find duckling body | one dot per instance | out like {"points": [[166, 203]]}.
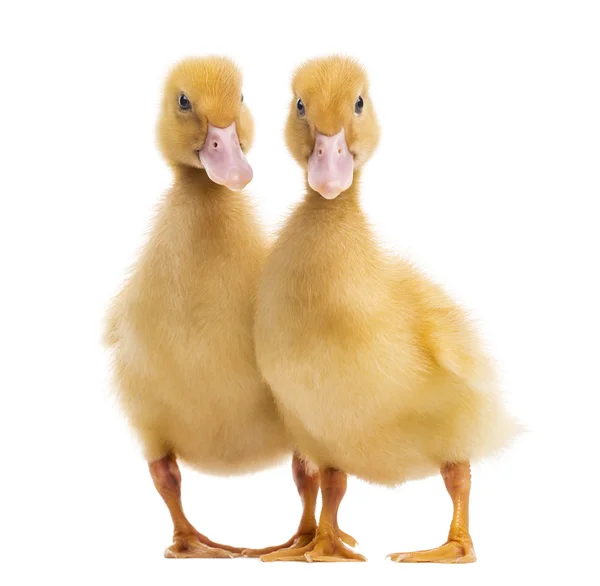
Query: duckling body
{"points": [[375, 370], [182, 333]]}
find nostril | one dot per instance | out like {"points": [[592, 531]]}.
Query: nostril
{"points": [[320, 152], [340, 151], [215, 144]]}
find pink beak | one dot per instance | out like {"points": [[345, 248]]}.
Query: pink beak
{"points": [[331, 165], [223, 159]]}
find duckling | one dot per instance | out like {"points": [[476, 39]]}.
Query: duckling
{"points": [[376, 371], [181, 328]]}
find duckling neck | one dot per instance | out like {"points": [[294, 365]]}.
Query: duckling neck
{"points": [[204, 211], [340, 221], [196, 181]]}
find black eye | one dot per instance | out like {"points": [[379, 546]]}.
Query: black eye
{"points": [[300, 107], [360, 104], [242, 98], [184, 103]]}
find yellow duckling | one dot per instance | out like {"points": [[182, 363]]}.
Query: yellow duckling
{"points": [[181, 329], [376, 371]]}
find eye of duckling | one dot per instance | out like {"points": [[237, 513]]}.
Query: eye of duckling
{"points": [[242, 98], [359, 105], [300, 107], [184, 103]]}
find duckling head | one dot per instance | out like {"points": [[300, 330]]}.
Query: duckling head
{"points": [[332, 128], [204, 122]]}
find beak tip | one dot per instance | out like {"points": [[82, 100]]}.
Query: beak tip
{"points": [[327, 189], [238, 180]]}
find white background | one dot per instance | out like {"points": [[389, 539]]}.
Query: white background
{"points": [[487, 175]]}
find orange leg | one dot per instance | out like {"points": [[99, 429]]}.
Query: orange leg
{"points": [[458, 548], [327, 544], [187, 542], [307, 483]]}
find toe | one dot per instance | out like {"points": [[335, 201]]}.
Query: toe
{"points": [[288, 554], [452, 552], [331, 558], [347, 539], [193, 548], [296, 542], [281, 557], [332, 550]]}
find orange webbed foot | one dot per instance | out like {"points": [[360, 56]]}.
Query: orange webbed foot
{"points": [[452, 552], [326, 546], [299, 540], [458, 549], [190, 546]]}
